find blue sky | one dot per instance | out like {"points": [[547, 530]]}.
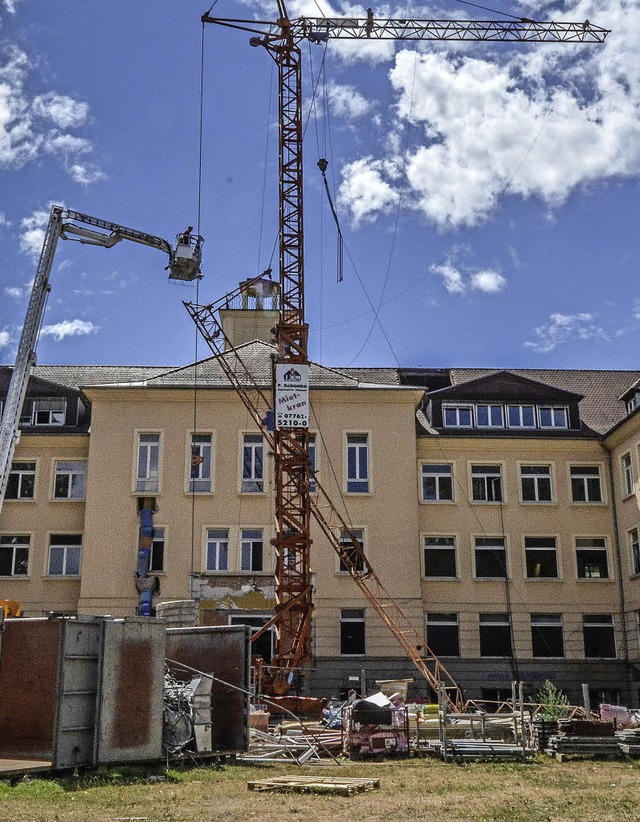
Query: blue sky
{"points": [[488, 196]]}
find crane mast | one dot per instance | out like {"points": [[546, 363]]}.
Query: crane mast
{"points": [[281, 38], [184, 264]]}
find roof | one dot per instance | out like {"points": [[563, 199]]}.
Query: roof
{"points": [[505, 385], [73, 376], [601, 406]]}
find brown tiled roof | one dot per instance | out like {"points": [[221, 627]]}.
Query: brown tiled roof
{"points": [[74, 376], [601, 407]]}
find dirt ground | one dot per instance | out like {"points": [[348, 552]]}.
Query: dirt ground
{"points": [[417, 789]]}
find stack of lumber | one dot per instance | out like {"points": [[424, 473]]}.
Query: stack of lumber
{"points": [[347, 786], [629, 741], [582, 737]]}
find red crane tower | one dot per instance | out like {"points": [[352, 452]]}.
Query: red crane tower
{"points": [[290, 439]]}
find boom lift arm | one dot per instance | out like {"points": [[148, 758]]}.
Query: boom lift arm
{"points": [[281, 38], [184, 264]]}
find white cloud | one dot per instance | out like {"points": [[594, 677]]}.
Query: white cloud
{"points": [[86, 173], [365, 190], [455, 281], [15, 292], [531, 121], [562, 328], [4, 338], [33, 232], [4, 222], [11, 5], [489, 282], [347, 102], [33, 126], [636, 310], [69, 328]]}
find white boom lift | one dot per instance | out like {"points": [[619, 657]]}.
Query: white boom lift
{"points": [[184, 264]]}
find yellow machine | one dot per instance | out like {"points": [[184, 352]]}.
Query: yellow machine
{"points": [[10, 608]]}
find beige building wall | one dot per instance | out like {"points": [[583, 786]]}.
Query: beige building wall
{"points": [[562, 518], [40, 517]]}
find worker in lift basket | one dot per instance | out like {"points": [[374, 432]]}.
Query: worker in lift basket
{"points": [[185, 237]]}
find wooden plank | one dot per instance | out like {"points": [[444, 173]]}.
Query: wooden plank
{"points": [[313, 784]]}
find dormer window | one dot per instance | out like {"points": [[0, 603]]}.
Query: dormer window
{"points": [[49, 411], [633, 402], [489, 416], [458, 416], [553, 416], [521, 416]]}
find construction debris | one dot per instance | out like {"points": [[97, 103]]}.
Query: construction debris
{"points": [[312, 784]]}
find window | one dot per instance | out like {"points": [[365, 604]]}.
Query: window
{"points": [[489, 416], [148, 470], [491, 557], [49, 411], [439, 557], [352, 632], [442, 634], [437, 483], [521, 416], [627, 474], [252, 464], [546, 635], [358, 463], [70, 480], [217, 549], [553, 416], [64, 555], [535, 481], [541, 557], [350, 556], [22, 481], [251, 550], [264, 645], [585, 483], [591, 555], [495, 635], [633, 402], [156, 561], [313, 463], [599, 637], [486, 483], [200, 464], [634, 551], [458, 416], [14, 556]]}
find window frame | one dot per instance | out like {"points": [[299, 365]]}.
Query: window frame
{"points": [[348, 617], [553, 409], [252, 445], [218, 540], [194, 465], [22, 474], [449, 623], [450, 550], [529, 550], [606, 621], [70, 474], [487, 479], [536, 477], [545, 625], [584, 478], [24, 544], [345, 541], [358, 483], [634, 550], [599, 550], [158, 550], [489, 621], [626, 468], [250, 541], [458, 408], [492, 544], [67, 542], [38, 406], [520, 406], [144, 484], [426, 472]]}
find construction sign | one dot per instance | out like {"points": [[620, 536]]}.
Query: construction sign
{"points": [[292, 395]]}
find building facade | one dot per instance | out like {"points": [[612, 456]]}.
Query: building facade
{"points": [[499, 508]]}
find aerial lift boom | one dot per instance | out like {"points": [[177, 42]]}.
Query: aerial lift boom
{"points": [[281, 38], [184, 264]]}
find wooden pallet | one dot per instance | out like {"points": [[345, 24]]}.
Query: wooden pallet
{"points": [[347, 786]]}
